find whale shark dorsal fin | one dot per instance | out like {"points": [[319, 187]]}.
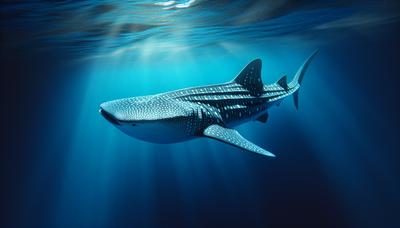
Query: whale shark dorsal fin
{"points": [[283, 83], [250, 78], [233, 137]]}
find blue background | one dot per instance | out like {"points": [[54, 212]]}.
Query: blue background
{"points": [[337, 161]]}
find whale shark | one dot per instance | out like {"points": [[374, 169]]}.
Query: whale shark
{"points": [[210, 111]]}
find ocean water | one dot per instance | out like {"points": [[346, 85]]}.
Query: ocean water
{"points": [[337, 160]]}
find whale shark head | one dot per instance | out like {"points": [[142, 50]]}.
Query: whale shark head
{"points": [[150, 118], [126, 111]]}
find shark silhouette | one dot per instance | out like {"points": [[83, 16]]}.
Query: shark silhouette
{"points": [[208, 111]]}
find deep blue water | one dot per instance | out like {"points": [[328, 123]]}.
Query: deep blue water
{"points": [[63, 165]]}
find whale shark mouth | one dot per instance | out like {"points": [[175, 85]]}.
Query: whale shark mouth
{"points": [[109, 117]]}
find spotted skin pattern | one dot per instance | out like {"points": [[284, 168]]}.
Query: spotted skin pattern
{"points": [[211, 111]]}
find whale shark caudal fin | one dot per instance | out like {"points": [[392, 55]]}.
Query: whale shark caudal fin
{"points": [[233, 137], [298, 78], [250, 78]]}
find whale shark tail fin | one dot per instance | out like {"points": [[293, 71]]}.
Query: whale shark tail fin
{"points": [[298, 78], [296, 99]]}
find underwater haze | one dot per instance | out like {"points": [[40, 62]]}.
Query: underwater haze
{"points": [[337, 157]]}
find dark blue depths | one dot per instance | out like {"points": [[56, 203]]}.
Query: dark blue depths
{"points": [[337, 160]]}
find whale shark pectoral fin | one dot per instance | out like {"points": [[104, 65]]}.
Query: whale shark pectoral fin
{"points": [[233, 137]]}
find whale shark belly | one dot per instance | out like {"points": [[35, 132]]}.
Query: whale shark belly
{"points": [[161, 133]]}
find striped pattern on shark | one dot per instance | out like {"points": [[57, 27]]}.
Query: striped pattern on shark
{"points": [[206, 111]]}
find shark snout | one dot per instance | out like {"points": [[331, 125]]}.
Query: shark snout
{"points": [[106, 110], [109, 117]]}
